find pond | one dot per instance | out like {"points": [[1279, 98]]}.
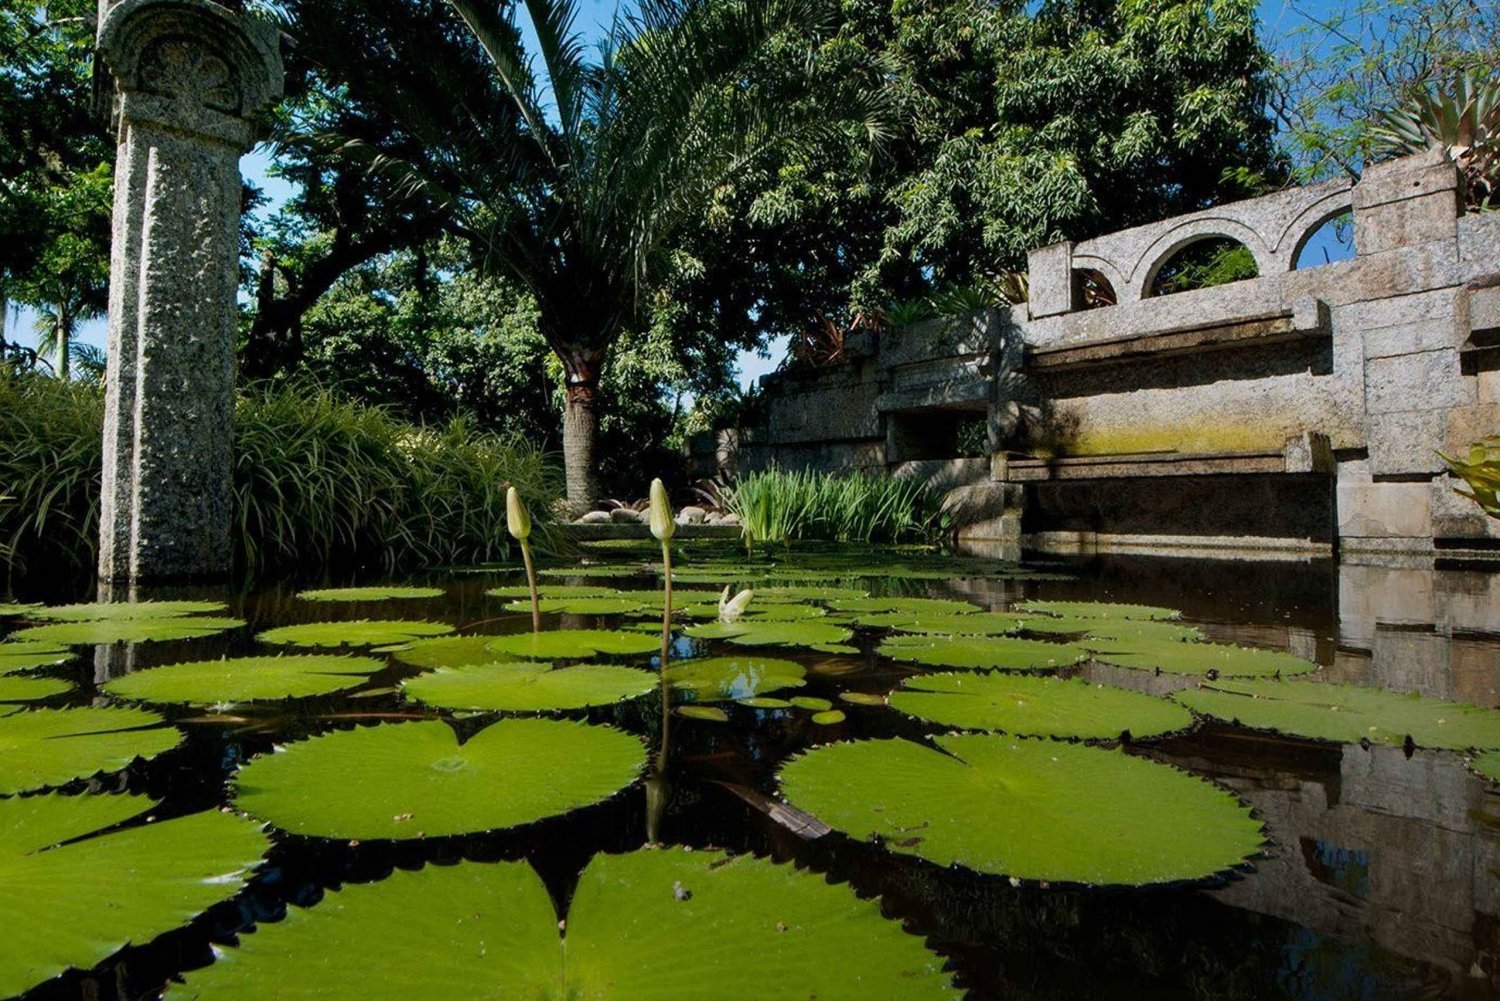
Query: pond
{"points": [[899, 774]]}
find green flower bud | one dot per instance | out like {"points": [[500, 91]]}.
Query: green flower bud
{"points": [[662, 525], [516, 518]]}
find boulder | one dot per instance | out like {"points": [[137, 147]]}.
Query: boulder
{"points": [[595, 518], [625, 516], [691, 515]]}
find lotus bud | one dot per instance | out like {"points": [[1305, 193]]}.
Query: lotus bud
{"points": [[517, 520], [662, 525]]}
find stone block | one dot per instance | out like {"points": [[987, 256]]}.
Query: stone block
{"points": [[1405, 203], [985, 511], [1405, 442], [1050, 280], [1384, 510], [1421, 381], [1455, 516]]}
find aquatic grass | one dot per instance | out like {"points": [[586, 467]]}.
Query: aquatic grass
{"points": [[319, 483], [779, 506]]}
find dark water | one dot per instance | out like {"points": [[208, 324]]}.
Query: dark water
{"points": [[1382, 879]]}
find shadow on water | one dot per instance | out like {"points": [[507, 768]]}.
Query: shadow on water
{"points": [[1380, 879]]}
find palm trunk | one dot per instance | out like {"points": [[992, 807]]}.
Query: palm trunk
{"points": [[580, 437], [64, 339]]}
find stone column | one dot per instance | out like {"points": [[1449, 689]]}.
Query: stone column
{"points": [[189, 76]]}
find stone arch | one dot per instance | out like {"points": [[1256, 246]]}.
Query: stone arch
{"points": [[1172, 242], [1300, 230], [1106, 268]]}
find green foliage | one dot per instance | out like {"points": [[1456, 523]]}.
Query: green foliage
{"points": [[245, 679], [1462, 116], [645, 925], [1481, 471], [51, 747], [778, 506], [318, 483], [528, 687], [1205, 264]]}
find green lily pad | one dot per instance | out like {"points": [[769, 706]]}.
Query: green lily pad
{"points": [[127, 630], [708, 714], [447, 651], [778, 594], [828, 717], [356, 632], [245, 679], [24, 689], [620, 604], [837, 649], [1130, 631], [763, 702], [1099, 610], [1488, 765], [1028, 705], [1026, 808], [645, 926], [25, 656], [21, 608], [570, 643], [905, 606], [370, 593], [713, 679], [411, 780], [981, 652], [1199, 658], [553, 591], [593, 570], [49, 747], [1347, 713], [749, 632], [123, 611], [811, 702], [977, 624], [74, 903], [529, 687], [862, 699]]}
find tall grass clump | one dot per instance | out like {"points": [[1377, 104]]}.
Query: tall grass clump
{"points": [[778, 506], [319, 483]]}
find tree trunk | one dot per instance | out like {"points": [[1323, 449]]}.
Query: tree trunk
{"points": [[580, 435], [64, 341]]}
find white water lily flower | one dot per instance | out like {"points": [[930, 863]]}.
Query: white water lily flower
{"points": [[730, 609]]}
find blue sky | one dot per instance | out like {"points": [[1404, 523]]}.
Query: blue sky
{"points": [[1278, 17]]}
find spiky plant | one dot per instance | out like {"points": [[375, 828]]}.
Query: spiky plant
{"points": [[1461, 115]]}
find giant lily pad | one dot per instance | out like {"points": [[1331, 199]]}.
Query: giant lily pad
{"points": [[1174, 657], [185, 627], [23, 689], [906, 606], [714, 679], [554, 591], [1117, 631], [529, 687], [942, 624], [73, 903], [751, 632], [1026, 808], [447, 651], [370, 593], [591, 570], [570, 643], [778, 594], [245, 679], [49, 747], [1488, 765], [413, 780], [357, 632], [1099, 610], [120, 611], [981, 652], [619, 604], [645, 926], [1029, 705], [1347, 713], [25, 656]]}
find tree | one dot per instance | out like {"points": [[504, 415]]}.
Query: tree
{"points": [[574, 181]]}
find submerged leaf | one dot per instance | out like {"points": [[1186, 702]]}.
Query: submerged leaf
{"points": [[356, 632], [74, 903], [1002, 652], [569, 643], [648, 925], [1199, 658], [1028, 705], [1347, 713], [412, 780], [528, 687], [714, 679], [370, 593], [1026, 808], [245, 679], [128, 630], [49, 747]]}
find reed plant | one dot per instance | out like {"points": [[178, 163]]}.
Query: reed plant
{"points": [[319, 483], [779, 506]]}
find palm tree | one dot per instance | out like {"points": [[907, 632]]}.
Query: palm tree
{"points": [[573, 176]]}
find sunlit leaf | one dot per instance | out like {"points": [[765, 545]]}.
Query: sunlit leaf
{"points": [[529, 687], [127, 630], [411, 780], [828, 717], [1030, 705], [245, 679], [569, 643], [620, 604], [1030, 809], [750, 632], [713, 679], [370, 593], [107, 611], [73, 903], [16, 688], [447, 651], [355, 632], [1002, 652], [646, 926], [1174, 657], [905, 606], [708, 714], [1099, 610], [49, 747], [554, 591], [25, 656]]}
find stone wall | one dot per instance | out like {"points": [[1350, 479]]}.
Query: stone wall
{"points": [[1303, 409]]}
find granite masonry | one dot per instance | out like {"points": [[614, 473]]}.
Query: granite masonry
{"points": [[189, 77], [1299, 411]]}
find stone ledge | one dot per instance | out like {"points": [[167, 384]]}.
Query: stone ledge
{"points": [[1306, 455]]}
